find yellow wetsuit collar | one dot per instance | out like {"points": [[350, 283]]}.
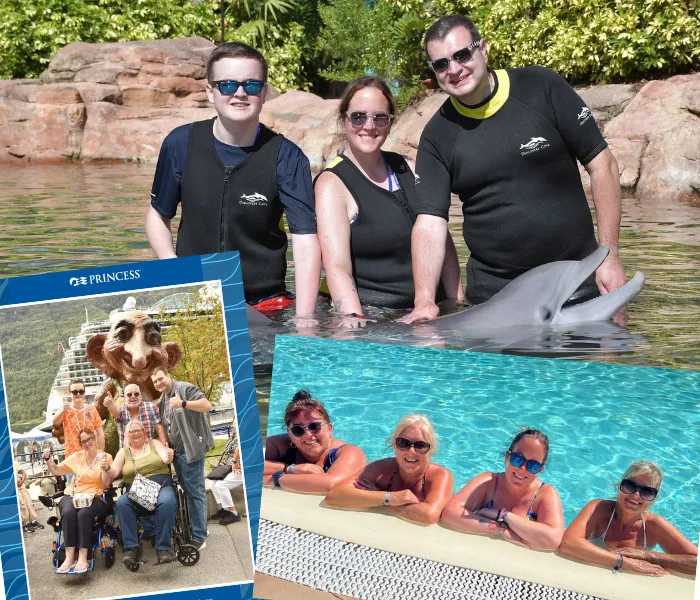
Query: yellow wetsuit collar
{"points": [[493, 104]]}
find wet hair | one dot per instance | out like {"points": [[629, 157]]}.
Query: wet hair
{"points": [[645, 467], [423, 423], [360, 84], [444, 25], [235, 50], [538, 435], [301, 401], [90, 432], [76, 382]]}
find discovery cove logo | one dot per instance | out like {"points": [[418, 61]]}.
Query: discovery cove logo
{"points": [[105, 277], [584, 115], [535, 144]]}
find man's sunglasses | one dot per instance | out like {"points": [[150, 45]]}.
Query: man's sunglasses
{"points": [[86, 441], [358, 118], [404, 444], [312, 428], [518, 460], [646, 492], [228, 87], [463, 56], [133, 394], [77, 392]]}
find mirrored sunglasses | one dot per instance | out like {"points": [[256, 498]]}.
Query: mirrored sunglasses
{"points": [[518, 460], [646, 492], [463, 56], [314, 427], [405, 444], [358, 118], [228, 87]]}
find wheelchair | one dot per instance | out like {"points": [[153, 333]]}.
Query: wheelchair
{"points": [[104, 534], [186, 553]]}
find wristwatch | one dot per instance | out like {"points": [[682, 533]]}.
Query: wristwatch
{"points": [[276, 478], [184, 404]]}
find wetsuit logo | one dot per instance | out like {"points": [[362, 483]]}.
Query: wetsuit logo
{"points": [[255, 199], [584, 115], [76, 281], [535, 144], [417, 178]]}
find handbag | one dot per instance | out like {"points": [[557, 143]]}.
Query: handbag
{"points": [[219, 472], [144, 492], [82, 500]]}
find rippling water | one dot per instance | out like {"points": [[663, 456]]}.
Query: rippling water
{"points": [[76, 216]]}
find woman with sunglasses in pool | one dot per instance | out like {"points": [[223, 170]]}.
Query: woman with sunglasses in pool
{"points": [[410, 485], [514, 504], [308, 458], [365, 210], [620, 534]]}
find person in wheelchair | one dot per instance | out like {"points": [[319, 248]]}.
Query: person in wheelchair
{"points": [[82, 503], [149, 459]]}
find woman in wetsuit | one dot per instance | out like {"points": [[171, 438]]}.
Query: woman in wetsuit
{"points": [[620, 534], [365, 210], [409, 485], [307, 458], [514, 504]]}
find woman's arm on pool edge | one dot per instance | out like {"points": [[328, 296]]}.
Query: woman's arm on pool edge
{"points": [[276, 446], [547, 531], [459, 513], [440, 484], [334, 235]]}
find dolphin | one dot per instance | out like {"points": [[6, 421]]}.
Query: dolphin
{"points": [[536, 297]]}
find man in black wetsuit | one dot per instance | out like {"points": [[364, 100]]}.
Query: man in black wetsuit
{"points": [[506, 142], [234, 178]]}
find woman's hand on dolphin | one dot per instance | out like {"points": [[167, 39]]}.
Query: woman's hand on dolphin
{"points": [[610, 275], [422, 312], [352, 321]]}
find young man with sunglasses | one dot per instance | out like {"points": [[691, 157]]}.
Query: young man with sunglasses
{"points": [[507, 143], [75, 415], [134, 408], [183, 410], [235, 178]]}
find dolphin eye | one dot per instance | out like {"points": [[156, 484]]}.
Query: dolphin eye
{"points": [[122, 335], [546, 315]]}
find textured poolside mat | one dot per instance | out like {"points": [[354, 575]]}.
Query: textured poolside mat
{"points": [[366, 573]]}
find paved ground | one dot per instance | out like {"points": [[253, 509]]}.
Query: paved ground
{"points": [[226, 559], [273, 588]]}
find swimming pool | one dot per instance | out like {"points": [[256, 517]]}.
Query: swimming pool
{"points": [[599, 417]]}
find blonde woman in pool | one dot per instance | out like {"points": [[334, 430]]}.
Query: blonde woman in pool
{"points": [[620, 534], [409, 485], [514, 504]]}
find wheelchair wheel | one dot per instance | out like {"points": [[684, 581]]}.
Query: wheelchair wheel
{"points": [[108, 557], [188, 555], [59, 556]]}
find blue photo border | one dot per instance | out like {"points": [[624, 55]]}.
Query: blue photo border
{"points": [[224, 267]]}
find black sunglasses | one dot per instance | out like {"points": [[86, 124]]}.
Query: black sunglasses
{"points": [[358, 118], [404, 444], [298, 430], [518, 460], [133, 394], [463, 56], [77, 392], [228, 87], [646, 492]]}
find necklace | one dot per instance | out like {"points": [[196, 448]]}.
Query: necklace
{"points": [[145, 449]]}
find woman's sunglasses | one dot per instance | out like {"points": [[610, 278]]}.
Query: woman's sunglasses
{"points": [[646, 492], [404, 444], [358, 118], [312, 428], [77, 392], [463, 56], [518, 460], [228, 87]]}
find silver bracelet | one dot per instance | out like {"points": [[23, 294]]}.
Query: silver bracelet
{"points": [[386, 498], [290, 468], [618, 564]]}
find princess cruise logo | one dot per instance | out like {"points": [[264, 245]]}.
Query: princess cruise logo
{"points": [[76, 281], [535, 144], [105, 277]]}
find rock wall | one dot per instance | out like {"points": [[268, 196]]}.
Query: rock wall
{"points": [[118, 101]]}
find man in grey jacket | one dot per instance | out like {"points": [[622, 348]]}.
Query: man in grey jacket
{"points": [[183, 411]]}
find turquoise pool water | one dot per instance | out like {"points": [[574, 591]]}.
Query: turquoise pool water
{"points": [[599, 418]]}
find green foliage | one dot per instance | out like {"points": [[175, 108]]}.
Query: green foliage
{"points": [[34, 30]]}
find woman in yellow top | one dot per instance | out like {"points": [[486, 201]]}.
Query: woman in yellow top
{"points": [[151, 460], [82, 504]]}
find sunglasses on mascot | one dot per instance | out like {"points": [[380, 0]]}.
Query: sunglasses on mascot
{"points": [[518, 460], [228, 87], [358, 118], [646, 492], [404, 444], [77, 392], [462, 57], [312, 428]]}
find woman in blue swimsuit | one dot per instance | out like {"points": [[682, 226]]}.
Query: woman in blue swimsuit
{"points": [[409, 485], [514, 504], [307, 458], [621, 533]]}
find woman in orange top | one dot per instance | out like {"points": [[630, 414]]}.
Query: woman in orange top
{"points": [[84, 489]]}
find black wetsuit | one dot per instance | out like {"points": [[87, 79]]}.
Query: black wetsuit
{"points": [[380, 236], [512, 162]]}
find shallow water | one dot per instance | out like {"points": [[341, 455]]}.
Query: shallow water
{"points": [[76, 216]]}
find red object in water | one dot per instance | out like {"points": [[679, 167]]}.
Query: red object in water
{"points": [[272, 305]]}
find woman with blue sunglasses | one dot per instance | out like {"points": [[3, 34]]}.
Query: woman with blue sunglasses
{"points": [[307, 458], [620, 534], [515, 504]]}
